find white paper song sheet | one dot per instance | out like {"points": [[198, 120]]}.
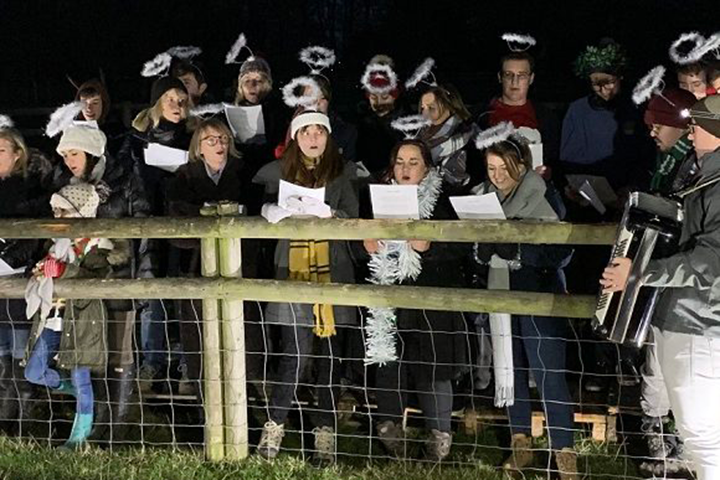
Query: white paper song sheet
{"points": [[288, 190], [246, 123], [478, 207], [398, 202], [6, 269], [165, 158]]}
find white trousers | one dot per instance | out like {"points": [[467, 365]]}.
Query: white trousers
{"points": [[690, 365], [654, 401]]}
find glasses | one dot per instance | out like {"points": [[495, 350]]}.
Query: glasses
{"points": [[213, 140], [511, 76], [602, 84]]}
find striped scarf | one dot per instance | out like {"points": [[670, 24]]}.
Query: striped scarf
{"points": [[668, 164], [309, 261]]}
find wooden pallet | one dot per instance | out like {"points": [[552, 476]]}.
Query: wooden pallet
{"points": [[604, 426]]}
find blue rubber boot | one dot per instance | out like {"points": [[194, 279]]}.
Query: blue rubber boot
{"points": [[67, 388], [82, 426]]}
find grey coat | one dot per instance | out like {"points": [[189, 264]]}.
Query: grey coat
{"points": [[691, 303], [342, 198]]}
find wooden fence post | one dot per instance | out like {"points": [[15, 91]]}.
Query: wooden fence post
{"points": [[233, 341], [213, 404]]}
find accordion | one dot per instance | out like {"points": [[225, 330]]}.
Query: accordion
{"points": [[650, 228]]}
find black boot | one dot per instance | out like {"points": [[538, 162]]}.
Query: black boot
{"points": [[101, 423], [8, 397], [122, 392], [27, 411]]}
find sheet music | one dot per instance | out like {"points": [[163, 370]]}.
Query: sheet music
{"points": [[288, 190], [600, 185], [246, 123], [588, 193], [165, 158], [478, 207], [6, 270], [395, 202]]}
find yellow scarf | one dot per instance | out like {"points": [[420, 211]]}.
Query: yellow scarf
{"points": [[309, 261]]}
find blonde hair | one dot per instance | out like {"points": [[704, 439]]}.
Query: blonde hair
{"points": [[150, 117], [267, 87], [18, 143], [202, 128]]}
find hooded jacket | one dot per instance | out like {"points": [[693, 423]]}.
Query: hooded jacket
{"points": [[691, 301]]}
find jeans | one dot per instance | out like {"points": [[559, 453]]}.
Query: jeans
{"points": [[38, 370], [690, 366], [539, 345], [297, 347], [13, 341], [153, 320]]}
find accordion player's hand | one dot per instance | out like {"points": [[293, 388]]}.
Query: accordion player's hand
{"points": [[615, 276]]}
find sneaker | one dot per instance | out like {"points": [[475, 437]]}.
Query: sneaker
{"points": [[438, 445], [271, 438], [521, 456], [392, 437], [324, 445]]}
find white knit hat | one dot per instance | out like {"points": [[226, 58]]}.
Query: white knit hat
{"points": [[79, 198], [309, 118], [85, 138]]}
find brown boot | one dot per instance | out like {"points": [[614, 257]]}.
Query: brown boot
{"points": [[521, 456], [566, 460]]}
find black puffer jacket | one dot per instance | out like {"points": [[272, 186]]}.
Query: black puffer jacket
{"points": [[153, 179]]}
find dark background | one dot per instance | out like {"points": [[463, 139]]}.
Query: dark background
{"points": [[44, 41]]}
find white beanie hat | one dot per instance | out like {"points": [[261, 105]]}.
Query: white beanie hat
{"points": [[80, 137], [309, 118], [79, 198]]}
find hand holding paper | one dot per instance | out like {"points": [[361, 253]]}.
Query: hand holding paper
{"points": [[273, 213]]}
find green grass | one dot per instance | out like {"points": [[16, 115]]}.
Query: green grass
{"points": [[30, 460]]}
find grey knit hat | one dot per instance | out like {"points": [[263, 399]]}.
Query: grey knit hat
{"points": [[80, 137], [706, 114], [255, 64]]}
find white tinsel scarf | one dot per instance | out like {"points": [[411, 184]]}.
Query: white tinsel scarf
{"points": [[394, 262]]}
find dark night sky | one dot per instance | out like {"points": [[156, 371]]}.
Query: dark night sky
{"points": [[45, 40]]}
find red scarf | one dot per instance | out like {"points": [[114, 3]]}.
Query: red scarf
{"points": [[522, 116]]}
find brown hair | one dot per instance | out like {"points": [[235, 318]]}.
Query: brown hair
{"points": [[448, 97], [516, 155], [330, 167], [92, 88], [695, 68], [519, 56], [18, 143], [424, 153], [202, 128], [267, 88]]}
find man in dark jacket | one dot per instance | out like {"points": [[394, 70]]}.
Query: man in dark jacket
{"points": [[686, 325]]}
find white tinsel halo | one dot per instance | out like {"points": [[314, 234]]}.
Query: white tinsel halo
{"points": [[712, 44], [393, 263], [694, 54], [383, 69], [317, 58], [651, 83], [184, 52], [499, 133], [211, 109], [410, 125], [236, 48], [518, 39], [293, 100], [63, 118], [6, 122], [421, 73], [157, 66]]}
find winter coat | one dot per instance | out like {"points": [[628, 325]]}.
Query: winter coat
{"points": [[153, 179], [345, 136], [22, 196], [342, 198], [434, 342], [83, 342], [191, 188], [690, 302], [376, 139]]}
